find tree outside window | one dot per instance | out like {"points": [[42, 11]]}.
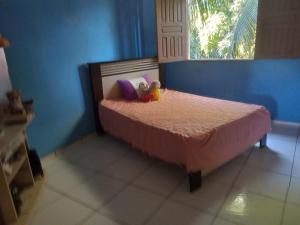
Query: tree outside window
{"points": [[222, 29]]}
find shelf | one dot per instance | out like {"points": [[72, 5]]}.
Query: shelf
{"points": [[16, 166], [29, 197], [13, 141]]}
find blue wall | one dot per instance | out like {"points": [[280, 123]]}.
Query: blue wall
{"points": [[51, 43], [137, 30], [272, 83]]}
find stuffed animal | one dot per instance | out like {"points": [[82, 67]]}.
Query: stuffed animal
{"points": [[143, 89], [144, 94], [151, 93], [155, 90]]}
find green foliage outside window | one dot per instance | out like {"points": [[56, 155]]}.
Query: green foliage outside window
{"points": [[223, 29]]}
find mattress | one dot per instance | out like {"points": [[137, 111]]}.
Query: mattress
{"points": [[197, 132]]}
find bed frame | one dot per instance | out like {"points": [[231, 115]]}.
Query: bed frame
{"points": [[104, 76]]}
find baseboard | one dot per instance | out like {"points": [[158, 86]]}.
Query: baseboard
{"points": [[285, 124]]}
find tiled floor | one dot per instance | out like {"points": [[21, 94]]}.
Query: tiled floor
{"points": [[100, 180]]}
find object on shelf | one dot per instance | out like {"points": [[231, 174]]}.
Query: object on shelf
{"points": [[11, 156], [16, 195], [16, 156], [4, 43], [35, 163], [7, 156], [7, 168], [15, 119], [1, 120], [17, 110], [28, 105], [15, 103]]}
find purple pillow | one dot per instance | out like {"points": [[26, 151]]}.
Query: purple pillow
{"points": [[129, 87], [148, 79], [127, 90]]}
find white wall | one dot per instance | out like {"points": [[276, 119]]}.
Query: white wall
{"points": [[5, 84]]}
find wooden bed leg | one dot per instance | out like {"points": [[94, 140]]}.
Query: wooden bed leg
{"points": [[263, 142], [195, 181]]}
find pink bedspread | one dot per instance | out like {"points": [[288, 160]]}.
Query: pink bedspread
{"points": [[198, 132]]}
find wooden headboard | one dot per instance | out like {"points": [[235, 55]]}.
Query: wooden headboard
{"points": [[104, 76]]}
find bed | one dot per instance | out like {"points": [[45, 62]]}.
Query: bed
{"points": [[196, 132]]}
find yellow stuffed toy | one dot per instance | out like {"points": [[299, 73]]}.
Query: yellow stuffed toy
{"points": [[155, 90]]}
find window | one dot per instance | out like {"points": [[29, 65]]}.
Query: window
{"points": [[222, 29], [206, 29]]}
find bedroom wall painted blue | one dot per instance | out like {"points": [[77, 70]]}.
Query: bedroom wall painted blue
{"points": [[51, 43], [272, 83], [137, 30], [149, 40]]}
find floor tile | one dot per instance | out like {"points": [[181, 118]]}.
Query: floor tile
{"points": [[97, 191], [282, 146], [98, 219], [129, 167], [133, 206], [294, 192], [161, 178], [54, 164], [173, 213], [219, 221], [297, 153], [296, 167], [100, 159], [251, 209], [66, 179], [291, 215], [64, 211], [76, 167], [271, 161], [116, 145], [263, 182], [241, 159], [45, 198], [225, 174], [88, 146], [208, 198], [80, 149]]}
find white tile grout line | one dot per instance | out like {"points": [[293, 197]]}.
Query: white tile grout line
{"points": [[94, 211], [167, 198], [128, 184], [291, 177], [230, 190], [268, 170]]}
